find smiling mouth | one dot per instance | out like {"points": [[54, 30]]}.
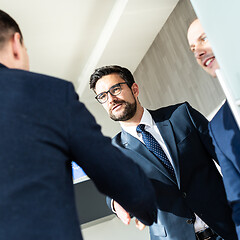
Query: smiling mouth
{"points": [[116, 106], [208, 61]]}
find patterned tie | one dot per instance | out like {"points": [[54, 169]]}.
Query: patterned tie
{"points": [[154, 147]]}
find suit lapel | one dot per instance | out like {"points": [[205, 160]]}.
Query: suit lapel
{"points": [[134, 144], [166, 131]]}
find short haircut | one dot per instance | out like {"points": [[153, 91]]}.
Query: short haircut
{"points": [[8, 27], [124, 73]]}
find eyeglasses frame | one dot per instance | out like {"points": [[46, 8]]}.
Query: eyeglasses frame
{"points": [[109, 91]]}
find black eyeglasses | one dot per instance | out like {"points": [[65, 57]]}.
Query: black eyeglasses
{"points": [[114, 91]]}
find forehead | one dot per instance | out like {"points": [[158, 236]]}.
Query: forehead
{"points": [[104, 83], [194, 32]]}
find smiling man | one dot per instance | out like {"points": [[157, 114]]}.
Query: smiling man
{"points": [[201, 48], [172, 145], [223, 128]]}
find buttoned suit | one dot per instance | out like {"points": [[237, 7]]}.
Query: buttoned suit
{"points": [[43, 128], [226, 139], [199, 188]]}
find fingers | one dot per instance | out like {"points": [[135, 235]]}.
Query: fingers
{"points": [[125, 216], [139, 225], [122, 213]]}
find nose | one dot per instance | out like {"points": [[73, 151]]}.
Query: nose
{"points": [[199, 52], [111, 97]]}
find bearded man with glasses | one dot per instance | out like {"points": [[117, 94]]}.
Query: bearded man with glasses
{"points": [[172, 145], [130, 108]]}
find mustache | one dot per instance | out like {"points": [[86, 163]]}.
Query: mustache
{"points": [[118, 102], [207, 56]]}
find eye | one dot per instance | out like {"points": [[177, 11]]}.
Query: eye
{"points": [[115, 90], [192, 49], [204, 38], [101, 96]]}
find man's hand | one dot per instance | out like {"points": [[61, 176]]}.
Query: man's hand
{"points": [[125, 216], [139, 225], [121, 213]]}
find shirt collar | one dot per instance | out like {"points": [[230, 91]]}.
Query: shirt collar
{"points": [[146, 120]]}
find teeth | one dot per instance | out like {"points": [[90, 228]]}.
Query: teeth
{"points": [[208, 62]]}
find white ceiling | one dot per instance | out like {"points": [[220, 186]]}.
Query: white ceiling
{"points": [[69, 39]]}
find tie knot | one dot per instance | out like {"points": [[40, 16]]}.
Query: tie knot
{"points": [[140, 128]]}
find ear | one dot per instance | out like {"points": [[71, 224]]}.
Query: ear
{"points": [[16, 46], [135, 89]]}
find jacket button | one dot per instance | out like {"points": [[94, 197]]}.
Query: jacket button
{"points": [[190, 221], [184, 195]]}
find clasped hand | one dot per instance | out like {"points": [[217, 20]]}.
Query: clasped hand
{"points": [[125, 217]]}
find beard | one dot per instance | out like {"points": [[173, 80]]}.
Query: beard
{"points": [[127, 113]]}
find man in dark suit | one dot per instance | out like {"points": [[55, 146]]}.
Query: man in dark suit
{"points": [[173, 147], [223, 127], [43, 128]]}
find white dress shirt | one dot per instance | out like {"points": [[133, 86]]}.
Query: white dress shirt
{"points": [[152, 128]]}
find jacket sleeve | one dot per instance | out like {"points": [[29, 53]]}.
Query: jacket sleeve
{"points": [[201, 125], [113, 173], [226, 138]]}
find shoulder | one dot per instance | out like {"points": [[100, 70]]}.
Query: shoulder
{"points": [[37, 86], [32, 77], [223, 121], [167, 112], [49, 79], [49, 84], [225, 132]]}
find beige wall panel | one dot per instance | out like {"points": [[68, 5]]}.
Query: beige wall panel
{"points": [[169, 74]]}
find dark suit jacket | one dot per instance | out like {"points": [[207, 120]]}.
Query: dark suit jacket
{"points": [[226, 139], [199, 188], [43, 127]]}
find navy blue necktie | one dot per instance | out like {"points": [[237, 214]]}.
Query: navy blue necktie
{"points": [[153, 146]]}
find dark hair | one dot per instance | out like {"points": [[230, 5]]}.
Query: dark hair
{"points": [[124, 73], [8, 27]]}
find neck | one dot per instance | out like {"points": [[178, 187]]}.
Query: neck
{"points": [[135, 120], [6, 57]]}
